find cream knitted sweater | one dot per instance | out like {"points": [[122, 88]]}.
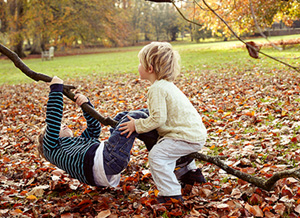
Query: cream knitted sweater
{"points": [[171, 114]]}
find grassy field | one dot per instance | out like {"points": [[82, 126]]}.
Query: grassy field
{"points": [[211, 56]]}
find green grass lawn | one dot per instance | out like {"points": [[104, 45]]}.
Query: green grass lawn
{"points": [[201, 56]]}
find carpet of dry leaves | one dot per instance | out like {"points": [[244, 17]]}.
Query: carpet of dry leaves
{"points": [[252, 117]]}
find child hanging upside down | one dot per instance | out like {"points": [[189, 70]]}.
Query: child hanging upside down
{"points": [[94, 162]]}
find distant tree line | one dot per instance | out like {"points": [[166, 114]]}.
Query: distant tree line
{"points": [[35, 25], [39, 24]]}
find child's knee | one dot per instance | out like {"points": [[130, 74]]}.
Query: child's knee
{"points": [[120, 115], [137, 114], [154, 158]]}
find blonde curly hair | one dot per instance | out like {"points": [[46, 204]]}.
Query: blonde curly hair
{"points": [[163, 59]]}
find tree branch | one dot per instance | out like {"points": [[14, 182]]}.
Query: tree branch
{"points": [[257, 181], [190, 21], [67, 88]]}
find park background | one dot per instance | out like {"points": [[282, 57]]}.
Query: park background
{"points": [[249, 106]]}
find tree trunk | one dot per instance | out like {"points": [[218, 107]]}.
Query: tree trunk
{"points": [[16, 11]]}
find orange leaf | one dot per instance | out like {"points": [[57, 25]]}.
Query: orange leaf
{"points": [[85, 202], [6, 159], [219, 131], [250, 113], [16, 212], [23, 193], [156, 192], [31, 197]]}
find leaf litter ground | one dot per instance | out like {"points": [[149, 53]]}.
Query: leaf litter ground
{"points": [[252, 118]]}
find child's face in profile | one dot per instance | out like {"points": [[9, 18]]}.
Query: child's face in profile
{"points": [[65, 131], [142, 71]]}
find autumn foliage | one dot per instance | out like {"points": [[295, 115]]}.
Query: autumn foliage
{"points": [[238, 14], [252, 118]]}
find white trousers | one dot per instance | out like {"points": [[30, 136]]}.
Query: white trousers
{"points": [[162, 160]]}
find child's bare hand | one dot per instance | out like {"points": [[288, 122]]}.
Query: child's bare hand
{"points": [[56, 80], [80, 99], [128, 127]]}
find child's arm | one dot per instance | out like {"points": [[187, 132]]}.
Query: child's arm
{"points": [[54, 113], [93, 126], [157, 117]]}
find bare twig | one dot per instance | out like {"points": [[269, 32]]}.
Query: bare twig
{"points": [[67, 88], [259, 29], [182, 15]]}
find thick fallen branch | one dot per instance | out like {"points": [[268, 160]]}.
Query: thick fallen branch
{"points": [[67, 88], [266, 184]]}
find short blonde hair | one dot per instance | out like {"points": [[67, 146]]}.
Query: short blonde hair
{"points": [[39, 140], [163, 59]]}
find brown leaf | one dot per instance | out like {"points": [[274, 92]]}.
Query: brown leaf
{"points": [[194, 212], [269, 214], [255, 210], [253, 49], [297, 209], [67, 215], [103, 214], [204, 192], [279, 208], [255, 199], [287, 191]]}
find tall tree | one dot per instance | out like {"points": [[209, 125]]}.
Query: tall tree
{"points": [[15, 10], [41, 26], [3, 17]]}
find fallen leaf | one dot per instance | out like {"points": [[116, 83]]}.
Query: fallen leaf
{"points": [[253, 49], [31, 197], [38, 190], [297, 209], [103, 214], [67, 215]]}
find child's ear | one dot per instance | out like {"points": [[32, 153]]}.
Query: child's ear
{"points": [[150, 69]]}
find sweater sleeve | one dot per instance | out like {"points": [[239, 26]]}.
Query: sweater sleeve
{"points": [[53, 116], [157, 111], [93, 129]]}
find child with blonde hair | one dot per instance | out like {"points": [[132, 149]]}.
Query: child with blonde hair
{"points": [[177, 122]]}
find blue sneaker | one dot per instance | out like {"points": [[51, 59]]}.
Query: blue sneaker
{"points": [[192, 176]]}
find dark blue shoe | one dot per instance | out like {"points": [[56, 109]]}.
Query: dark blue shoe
{"points": [[192, 176]]}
